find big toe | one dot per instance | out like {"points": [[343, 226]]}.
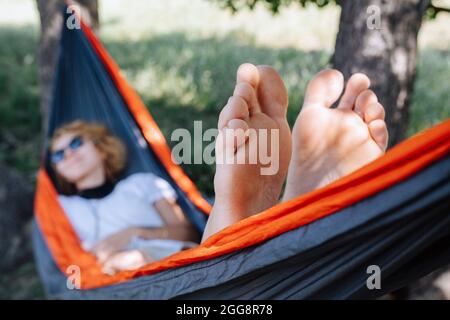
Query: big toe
{"points": [[272, 93], [248, 73], [324, 89]]}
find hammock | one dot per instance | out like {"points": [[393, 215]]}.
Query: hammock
{"points": [[392, 213]]}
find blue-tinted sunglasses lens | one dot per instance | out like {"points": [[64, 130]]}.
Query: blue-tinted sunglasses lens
{"points": [[57, 156], [76, 143]]}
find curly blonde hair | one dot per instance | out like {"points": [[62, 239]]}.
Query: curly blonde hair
{"points": [[109, 145]]}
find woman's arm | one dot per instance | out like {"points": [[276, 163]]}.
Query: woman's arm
{"points": [[170, 212], [119, 241], [177, 232], [176, 226]]}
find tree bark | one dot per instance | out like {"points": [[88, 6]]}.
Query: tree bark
{"points": [[50, 13], [387, 52]]}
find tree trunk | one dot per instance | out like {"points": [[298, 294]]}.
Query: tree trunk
{"points": [[385, 51], [50, 13]]}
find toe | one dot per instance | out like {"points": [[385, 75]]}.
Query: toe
{"points": [[365, 99], [374, 111], [248, 73], [356, 85], [230, 138], [245, 91], [236, 108], [236, 133], [379, 133], [233, 126], [324, 89], [272, 93]]}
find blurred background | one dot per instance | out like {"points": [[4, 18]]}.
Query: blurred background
{"points": [[181, 57]]}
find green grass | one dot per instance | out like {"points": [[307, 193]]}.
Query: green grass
{"points": [[19, 102], [22, 283], [431, 99]]}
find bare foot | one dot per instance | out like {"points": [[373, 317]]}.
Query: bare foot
{"points": [[259, 104], [329, 143]]}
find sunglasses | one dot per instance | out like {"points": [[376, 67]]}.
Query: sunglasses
{"points": [[58, 155]]}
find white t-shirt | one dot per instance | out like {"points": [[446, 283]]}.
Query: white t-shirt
{"points": [[129, 204]]}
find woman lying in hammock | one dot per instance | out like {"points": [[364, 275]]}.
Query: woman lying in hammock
{"points": [[125, 224]]}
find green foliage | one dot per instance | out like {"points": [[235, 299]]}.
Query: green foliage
{"points": [[273, 5], [433, 11]]}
